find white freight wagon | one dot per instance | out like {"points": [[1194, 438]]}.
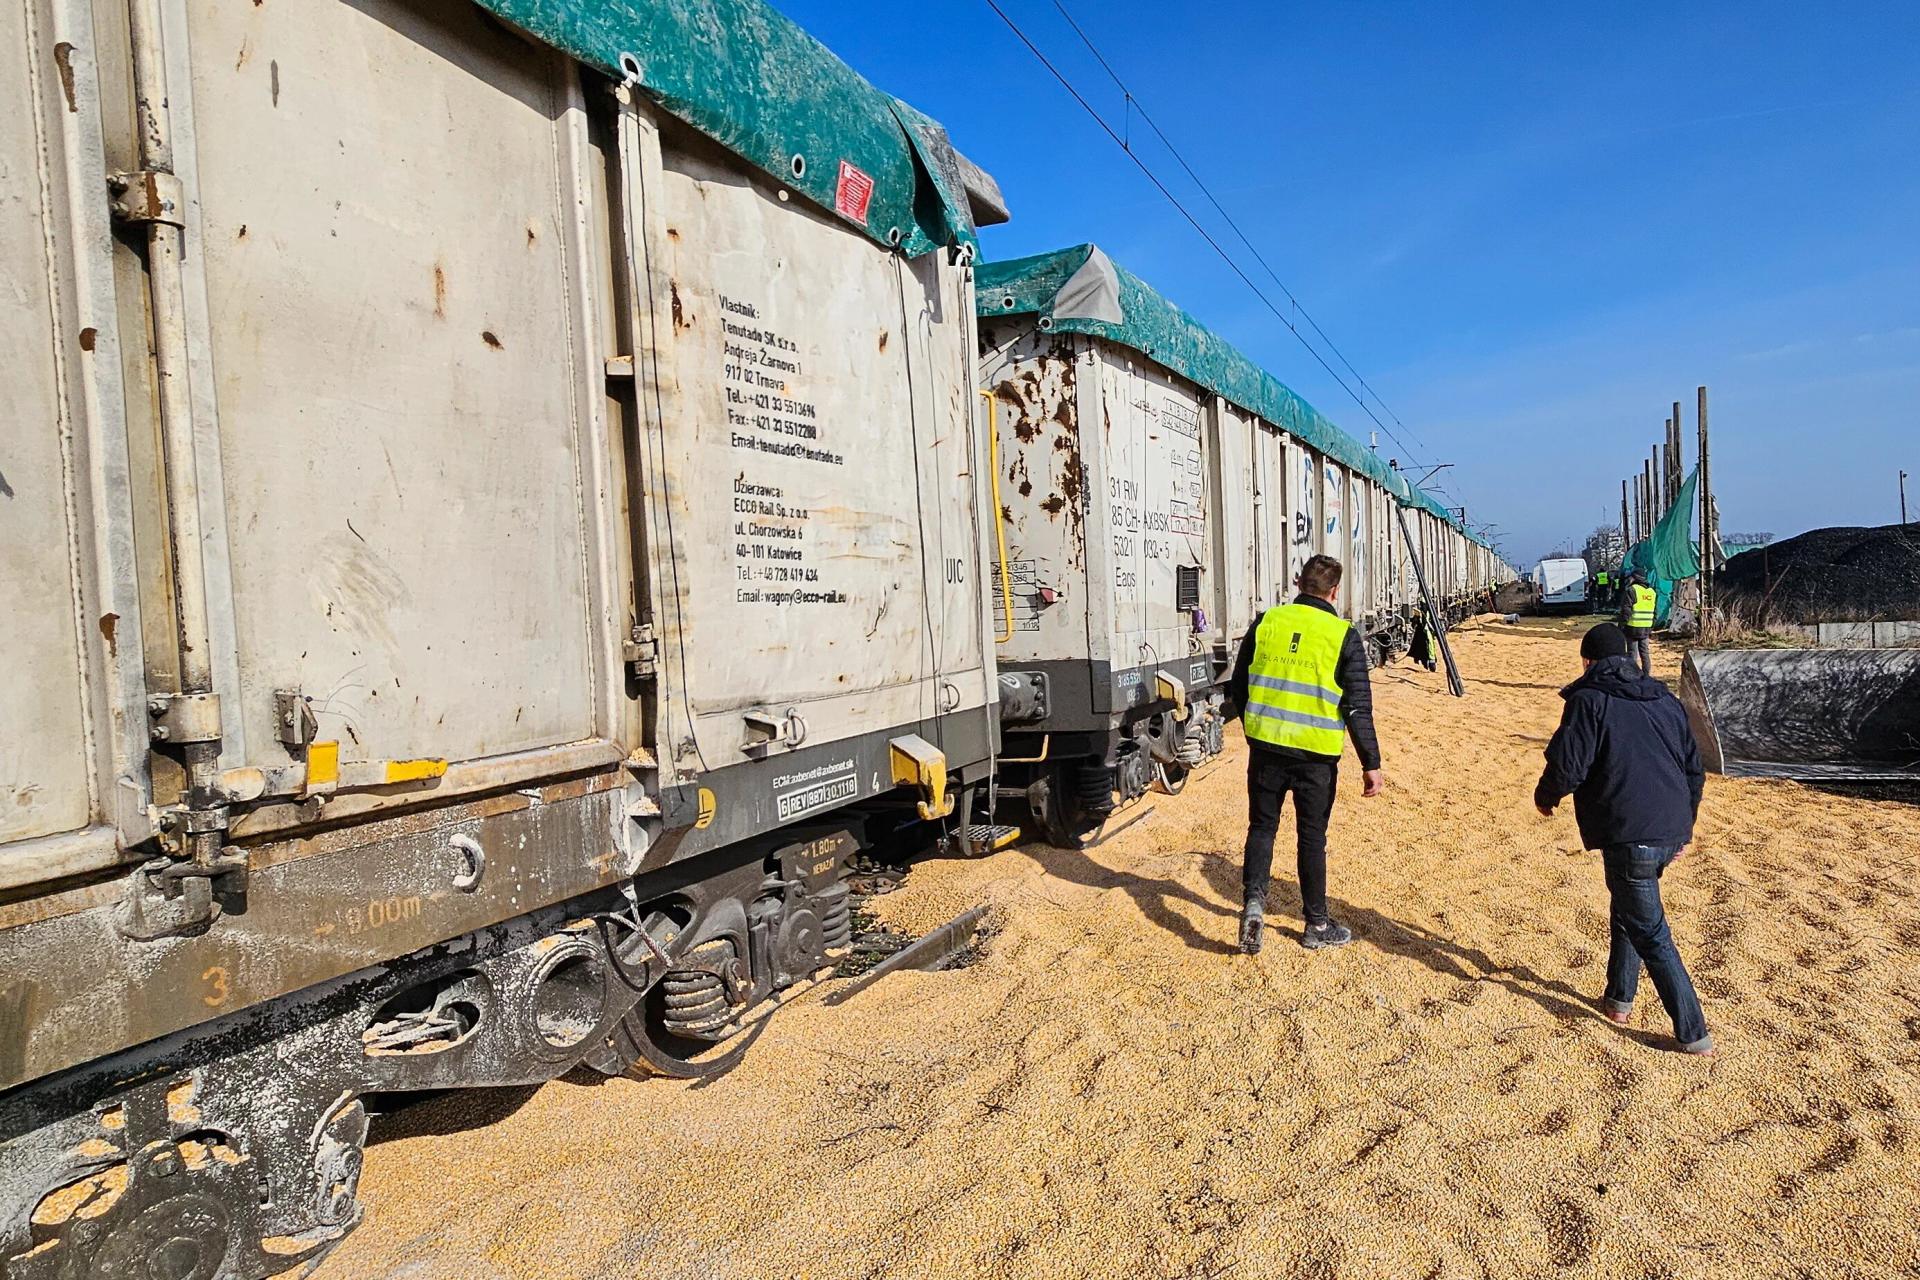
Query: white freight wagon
{"points": [[1156, 491], [490, 522]]}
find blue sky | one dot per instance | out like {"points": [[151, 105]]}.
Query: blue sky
{"points": [[1531, 227]]}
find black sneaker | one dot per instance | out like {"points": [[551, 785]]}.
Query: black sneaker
{"points": [[1318, 937], [1253, 918]]}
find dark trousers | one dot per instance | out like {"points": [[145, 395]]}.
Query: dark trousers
{"points": [[1639, 649], [1640, 934], [1269, 778]]}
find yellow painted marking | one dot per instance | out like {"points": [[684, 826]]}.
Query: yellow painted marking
{"points": [[415, 770], [219, 986], [323, 764], [381, 912], [709, 805]]}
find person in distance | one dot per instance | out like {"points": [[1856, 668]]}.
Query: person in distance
{"points": [[1625, 753], [1637, 605], [1300, 688]]}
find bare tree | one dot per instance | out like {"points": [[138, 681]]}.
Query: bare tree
{"points": [[1605, 549]]}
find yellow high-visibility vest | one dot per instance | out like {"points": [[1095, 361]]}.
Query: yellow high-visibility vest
{"points": [[1640, 610], [1293, 685], [1600, 578]]}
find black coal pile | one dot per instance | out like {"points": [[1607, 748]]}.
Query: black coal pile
{"points": [[1826, 575]]}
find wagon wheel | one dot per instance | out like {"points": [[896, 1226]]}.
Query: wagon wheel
{"points": [[1170, 777]]}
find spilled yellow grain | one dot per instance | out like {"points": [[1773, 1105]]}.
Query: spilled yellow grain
{"points": [[1111, 1092]]}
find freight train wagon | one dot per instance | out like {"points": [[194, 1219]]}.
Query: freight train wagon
{"points": [[1156, 490], [490, 525], [1462, 568]]}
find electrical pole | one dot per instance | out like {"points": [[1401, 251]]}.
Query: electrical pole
{"points": [[1626, 529], [1903, 497]]}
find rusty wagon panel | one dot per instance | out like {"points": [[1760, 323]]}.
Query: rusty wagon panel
{"points": [[1156, 519]]}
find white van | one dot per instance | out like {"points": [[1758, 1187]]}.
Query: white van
{"points": [[1563, 585]]}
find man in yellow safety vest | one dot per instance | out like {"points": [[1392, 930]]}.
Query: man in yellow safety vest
{"points": [[1300, 688], [1636, 617]]}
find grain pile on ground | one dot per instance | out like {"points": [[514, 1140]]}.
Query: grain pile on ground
{"points": [[1826, 575], [1110, 1092]]}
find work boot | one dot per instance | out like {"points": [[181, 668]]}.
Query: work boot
{"points": [[1253, 919], [1318, 937]]}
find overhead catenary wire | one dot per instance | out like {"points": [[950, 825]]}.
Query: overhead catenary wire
{"points": [[1133, 104], [1184, 212]]}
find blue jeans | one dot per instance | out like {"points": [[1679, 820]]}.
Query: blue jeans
{"points": [[1640, 934]]}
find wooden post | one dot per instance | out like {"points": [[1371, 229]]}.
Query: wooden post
{"points": [[1664, 471], [1708, 534], [1677, 454]]}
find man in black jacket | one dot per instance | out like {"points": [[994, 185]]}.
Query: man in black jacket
{"points": [[1300, 677], [1625, 752]]}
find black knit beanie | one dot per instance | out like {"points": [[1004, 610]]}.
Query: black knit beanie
{"points": [[1603, 641]]}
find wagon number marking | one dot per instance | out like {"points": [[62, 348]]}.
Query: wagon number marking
{"points": [[220, 987]]}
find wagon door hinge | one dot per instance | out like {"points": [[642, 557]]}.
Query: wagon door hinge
{"points": [[181, 718], [642, 650], [148, 195]]}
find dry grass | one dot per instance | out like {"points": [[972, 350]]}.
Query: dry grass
{"points": [[1111, 1092], [1721, 630]]}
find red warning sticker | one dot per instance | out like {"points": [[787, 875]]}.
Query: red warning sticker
{"points": [[854, 193]]}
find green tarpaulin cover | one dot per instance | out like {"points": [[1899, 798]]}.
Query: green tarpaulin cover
{"points": [[1668, 555], [752, 80], [1080, 290]]}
